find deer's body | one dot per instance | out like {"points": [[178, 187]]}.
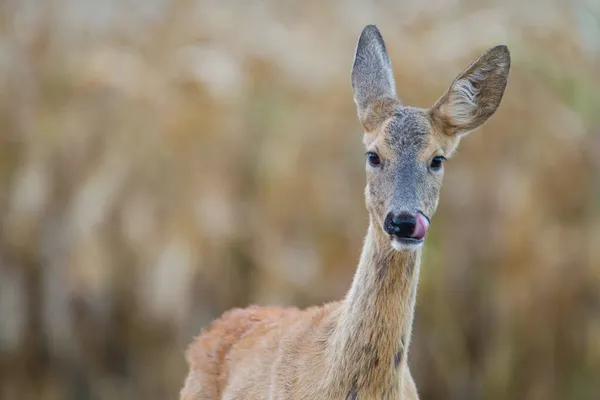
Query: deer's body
{"points": [[357, 348]]}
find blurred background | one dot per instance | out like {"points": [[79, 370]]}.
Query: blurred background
{"points": [[163, 161]]}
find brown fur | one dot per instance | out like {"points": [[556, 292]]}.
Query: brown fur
{"points": [[355, 348]]}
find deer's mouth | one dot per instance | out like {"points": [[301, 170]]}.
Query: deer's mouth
{"points": [[408, 233], [406, 243], [421, 227]]}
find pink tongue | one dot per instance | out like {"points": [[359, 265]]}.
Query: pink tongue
{"points": [[420, 227]]}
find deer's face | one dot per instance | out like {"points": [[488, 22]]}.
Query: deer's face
{"points": [[406, 146], [405, 167]]}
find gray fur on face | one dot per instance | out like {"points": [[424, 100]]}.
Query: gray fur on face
{"points": [[406, 130], [404, 180]]}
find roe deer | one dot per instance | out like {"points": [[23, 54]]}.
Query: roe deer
{"points": [[357, 348]]}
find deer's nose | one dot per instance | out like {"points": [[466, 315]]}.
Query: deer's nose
{"points": [[406, 225]]}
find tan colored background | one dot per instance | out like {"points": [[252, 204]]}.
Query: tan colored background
{"points": [[161, 162]]}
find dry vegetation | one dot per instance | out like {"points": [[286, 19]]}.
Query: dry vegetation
{"points": [[161, 162]]}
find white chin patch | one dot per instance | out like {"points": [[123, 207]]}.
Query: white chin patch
{"points": [[403, 246]]}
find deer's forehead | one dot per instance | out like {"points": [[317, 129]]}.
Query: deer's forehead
{"points": [[406, 134], [406, 130]]}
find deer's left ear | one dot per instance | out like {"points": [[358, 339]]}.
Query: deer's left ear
{"points": [[373, 82], [474, 95]]}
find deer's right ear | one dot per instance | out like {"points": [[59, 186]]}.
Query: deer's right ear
{"points": [[373, 82], [475, 94]]}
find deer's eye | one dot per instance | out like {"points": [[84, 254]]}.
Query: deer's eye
{"points": [[436, 163], [374, 159]]}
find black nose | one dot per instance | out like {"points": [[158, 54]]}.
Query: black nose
{"points": [[401, 225]]}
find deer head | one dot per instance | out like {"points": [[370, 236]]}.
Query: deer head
{"points": [[406, 146]]}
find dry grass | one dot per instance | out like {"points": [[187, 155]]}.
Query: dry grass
{"points": [[162, 162]]}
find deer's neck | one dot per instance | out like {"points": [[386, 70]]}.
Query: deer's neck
{"points": [[371, 338]]}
